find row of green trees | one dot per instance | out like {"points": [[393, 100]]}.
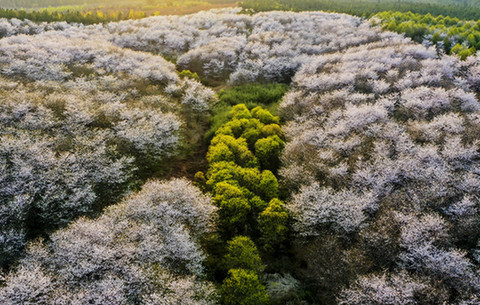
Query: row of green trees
{"points": [[100, 11], [242, 159], [71, 15], [451, 35], [47, 3], [366, 8], [91, 3]]}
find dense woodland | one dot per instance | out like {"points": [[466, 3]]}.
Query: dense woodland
{"points": [[240, 159], [460, 9], [36, 4], [92, 12], [449, 35]]}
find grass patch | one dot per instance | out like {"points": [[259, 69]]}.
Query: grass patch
{"points": [[252, 95]]}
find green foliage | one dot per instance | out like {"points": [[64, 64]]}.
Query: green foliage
{"points": [[253, 94], [220, 115], [222, 171], [440, 31], [234, 214], [257, 204], [99, 11], [220, 152], [189, 74], [268, 152], [267, 95], [368, 8], [273, 223], [242, 287], [96, 3], [264, 116], [225, 190], [240, 111], [71, 15], [268, 185], [243, 254], [271, 130], [240, 185], [227, 148], [199, 180]]}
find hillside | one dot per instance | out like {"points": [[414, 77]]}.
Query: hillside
{"points": [[226, 158]]}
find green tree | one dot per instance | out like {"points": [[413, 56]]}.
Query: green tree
{"points": [[268, 150], [243, 254], [268, 185], [264, 116], [227, 148], [189, 74], [240, 112], [242, 287], [234, 215], [273, 223]]}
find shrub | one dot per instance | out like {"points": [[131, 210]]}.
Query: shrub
{"points": [[242, 287], [223, 146], [268, 150], [264, 116], [253, 94], [268, 185], [273, 224], [243, 254], [189, 74], [234, 214]]}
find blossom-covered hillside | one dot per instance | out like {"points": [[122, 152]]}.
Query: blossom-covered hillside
{"points": [[365, 189], [383, 164], [222, 44]]}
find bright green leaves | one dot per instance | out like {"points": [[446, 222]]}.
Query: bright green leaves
{"points": [[234, 214], [463, 51], [227, 148], [189, 74], [243, 254], [242, 287], [268, 187], [443, 32], [220, 152], [242, 159], [273, 223], [268, 152], [264, 116], [240, 111], [251, 126]]}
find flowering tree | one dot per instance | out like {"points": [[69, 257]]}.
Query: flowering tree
{"points": [[144, 250]]}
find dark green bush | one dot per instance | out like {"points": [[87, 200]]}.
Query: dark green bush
{"points": [[273, 223], [253, 94], [242, 287], [268, 152], [243, 254]]}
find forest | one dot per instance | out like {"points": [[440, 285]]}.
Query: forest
{"points": [[102, 11], [469, 9], [238, 157], [38, 4], [449, 35]]}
